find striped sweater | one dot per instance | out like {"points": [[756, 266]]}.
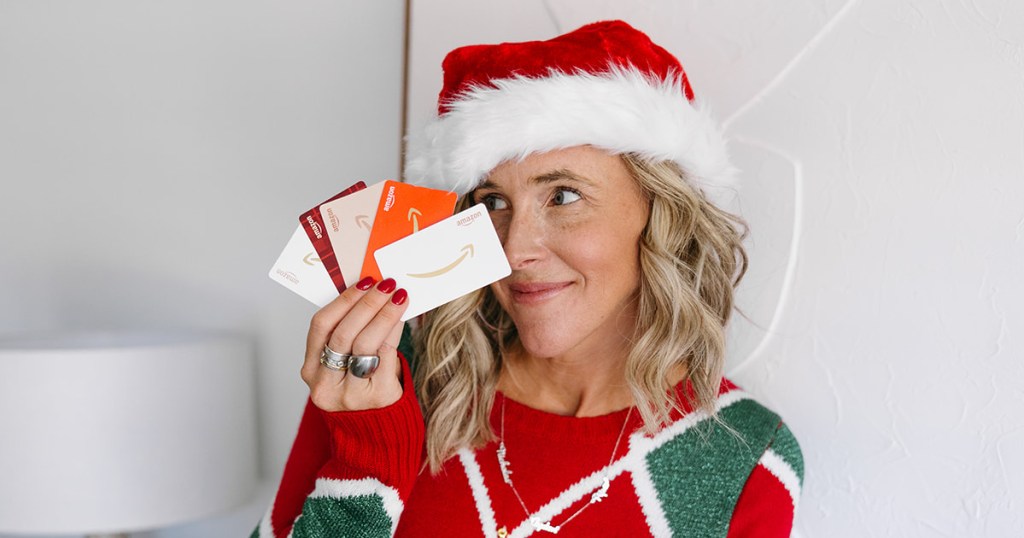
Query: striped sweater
{"points": [[358, 474]]}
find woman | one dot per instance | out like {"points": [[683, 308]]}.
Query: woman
{"points": [[583, 394]]}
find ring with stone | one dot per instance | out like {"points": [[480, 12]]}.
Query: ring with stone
{"points": [[363, 366], [334, 360]]}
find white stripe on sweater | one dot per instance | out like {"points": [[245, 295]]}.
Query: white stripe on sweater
{"points": [[570, 496], [488, 523], [772, 461], [649, 503]]}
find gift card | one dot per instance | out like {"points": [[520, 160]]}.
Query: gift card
{"points": [[313, 223], [300, 269], [404, 209], [348, 221], [449, 259]]}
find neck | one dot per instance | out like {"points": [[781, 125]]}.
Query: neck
{"points": [[583, 383]]}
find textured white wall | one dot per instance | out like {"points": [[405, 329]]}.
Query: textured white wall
{"points": [[883, 155], [155, 156]]}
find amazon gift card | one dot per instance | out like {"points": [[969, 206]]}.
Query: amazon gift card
{"points": [[451, 258]]}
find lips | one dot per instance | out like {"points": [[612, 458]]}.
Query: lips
{"points": [[536, 292]]}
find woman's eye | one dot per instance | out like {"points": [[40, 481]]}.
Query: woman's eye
{"points": [[565, 196], [493, 202]]}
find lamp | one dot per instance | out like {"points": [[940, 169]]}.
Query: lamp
{"points": [[117, 432]]}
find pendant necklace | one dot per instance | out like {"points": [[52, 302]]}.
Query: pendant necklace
{"points": [[596, 497]]}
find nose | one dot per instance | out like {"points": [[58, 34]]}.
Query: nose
{"points": [[523, 237]]}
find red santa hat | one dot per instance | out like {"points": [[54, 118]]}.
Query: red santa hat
{"points": [[606, 85]]}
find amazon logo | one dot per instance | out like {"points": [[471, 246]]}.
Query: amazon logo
{"points": [[288, 275], [317, 231], [467, 252], [468, 219], [333, 219]]}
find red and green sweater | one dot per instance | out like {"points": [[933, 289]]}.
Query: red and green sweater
{"points": [[359, 474]]}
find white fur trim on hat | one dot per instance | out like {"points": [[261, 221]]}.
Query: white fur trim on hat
{"points": [[620, 111]]}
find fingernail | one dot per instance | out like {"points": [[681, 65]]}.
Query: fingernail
{"points": [[366, 283], [387, 285], [400, 296]]}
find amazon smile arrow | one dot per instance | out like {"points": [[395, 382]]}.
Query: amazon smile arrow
{"points": [[467, 251], [414, 215]]}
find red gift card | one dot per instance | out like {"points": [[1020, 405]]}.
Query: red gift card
{"points": [[313, 223]]}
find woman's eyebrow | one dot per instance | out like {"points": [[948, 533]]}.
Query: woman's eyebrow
{"points": [[561, 174]]}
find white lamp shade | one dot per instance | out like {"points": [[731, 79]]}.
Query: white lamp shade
{"points": [[122, 432]]}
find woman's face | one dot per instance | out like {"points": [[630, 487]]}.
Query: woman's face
{"points": [[570, 221]]}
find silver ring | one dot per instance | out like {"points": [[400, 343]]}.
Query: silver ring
{"points": [[332, 366], [363, 366], [334, 360]]}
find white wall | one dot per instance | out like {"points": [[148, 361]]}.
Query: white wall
{"points": [[883, 151], [155, 156]]}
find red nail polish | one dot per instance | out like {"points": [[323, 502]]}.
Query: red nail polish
{"points": [[366, 283], [400, 296], [387, 285]]}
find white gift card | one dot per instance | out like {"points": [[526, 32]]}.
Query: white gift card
{"points": [[299, 269], [447, 260]]}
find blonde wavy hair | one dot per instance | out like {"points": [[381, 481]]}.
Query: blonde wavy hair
{"points": [[691, 259]]}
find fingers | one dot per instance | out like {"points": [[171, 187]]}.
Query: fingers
{"points": [[370, 320], [326, 319], [364, 320], [365, 331]]}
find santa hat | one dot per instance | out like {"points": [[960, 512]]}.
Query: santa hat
{"points": [[606, 84]]}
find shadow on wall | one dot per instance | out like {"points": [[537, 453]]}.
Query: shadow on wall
{"points": [[768, 198]]}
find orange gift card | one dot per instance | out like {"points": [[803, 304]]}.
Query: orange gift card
{"points": [[404, 210]]}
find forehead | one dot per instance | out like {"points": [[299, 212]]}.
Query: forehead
{"points": [[583, 165]]}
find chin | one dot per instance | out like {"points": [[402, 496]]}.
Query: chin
{"points": [[546, 339]]}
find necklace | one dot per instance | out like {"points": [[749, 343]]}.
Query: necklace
{"points": [[536, 522]]}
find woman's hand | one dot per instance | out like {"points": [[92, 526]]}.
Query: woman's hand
{"points": [[363, 320]]}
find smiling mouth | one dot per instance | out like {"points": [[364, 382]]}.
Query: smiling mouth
{"points": [[536, 292]]}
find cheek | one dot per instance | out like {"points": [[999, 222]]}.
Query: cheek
{"points": [[500, 222], [607, 255]]}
